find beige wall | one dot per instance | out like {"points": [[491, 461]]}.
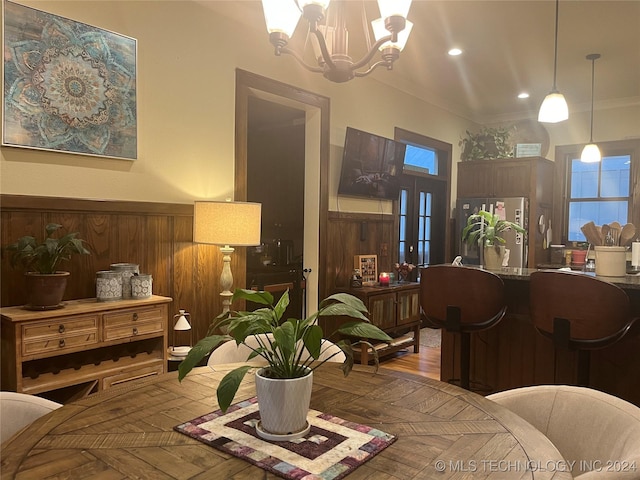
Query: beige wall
{"points": [[188, 52]]}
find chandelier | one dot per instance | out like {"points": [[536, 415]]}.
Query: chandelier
{"points": [[331, 42]]}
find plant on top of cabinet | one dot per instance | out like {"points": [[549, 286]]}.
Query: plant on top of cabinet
{"points": [[45, 284], [490, 142]]}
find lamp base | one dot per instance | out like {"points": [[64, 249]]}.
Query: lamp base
{"points": [[226, 278]]}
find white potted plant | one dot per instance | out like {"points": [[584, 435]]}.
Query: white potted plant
{"points": [[291, 349], [483, 229]]}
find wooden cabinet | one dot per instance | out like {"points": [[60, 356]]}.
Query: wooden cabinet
{"points": [[85, 347], [530, 177], [495, 178], [395, 309]]}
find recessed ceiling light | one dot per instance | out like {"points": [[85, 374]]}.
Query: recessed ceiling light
{"points": [[454, 52], [523, 95]]}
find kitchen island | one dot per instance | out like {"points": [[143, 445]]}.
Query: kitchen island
{"points": [[513, 354]]}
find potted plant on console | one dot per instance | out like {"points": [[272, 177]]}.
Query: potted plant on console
{"points": [[292, 350], [45, 284], [484, 229]]}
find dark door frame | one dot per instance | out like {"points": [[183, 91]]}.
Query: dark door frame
{"points": [[250, 84]]}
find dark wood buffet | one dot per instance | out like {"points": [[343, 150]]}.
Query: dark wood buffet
{"points": [[513, 354]]}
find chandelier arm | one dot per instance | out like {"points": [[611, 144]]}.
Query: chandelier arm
{"points": [[295, 55], [323, 48], [367, 58], [372, 68]]}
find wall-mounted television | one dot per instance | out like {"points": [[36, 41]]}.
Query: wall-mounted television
{"points": [[371, 166]]}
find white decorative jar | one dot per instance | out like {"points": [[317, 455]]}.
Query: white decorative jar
{"points": [[126, 270], [141, 286], [108, 286]]}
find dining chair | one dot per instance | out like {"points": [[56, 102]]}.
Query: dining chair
{"points": [[17, 410], [596, 430], [230, 352], [578, 312], [462, 300]]}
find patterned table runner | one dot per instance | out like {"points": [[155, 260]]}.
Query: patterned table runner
{"points": [[332, 449]]}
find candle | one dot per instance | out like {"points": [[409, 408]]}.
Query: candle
{"points": [[384, 279], [635, 254]]}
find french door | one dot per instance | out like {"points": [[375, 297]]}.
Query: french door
{"points": [[422, 220]]}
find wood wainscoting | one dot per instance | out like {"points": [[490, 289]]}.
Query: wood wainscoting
{"points": [[352, 234], [157, 236]]}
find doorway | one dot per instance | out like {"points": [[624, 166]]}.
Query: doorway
{"points": [[272, 98], [275, 178]]}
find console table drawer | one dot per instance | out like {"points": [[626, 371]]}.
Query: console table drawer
{"points": [[132, 375], [69, 332], [60, 344], [134, 329], [132, 317]]}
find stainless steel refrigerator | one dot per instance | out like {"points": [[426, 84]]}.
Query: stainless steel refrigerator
{"points": [[514, 209]]}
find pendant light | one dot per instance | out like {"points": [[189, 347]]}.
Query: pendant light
{"points": [[554, 108], [591, 152]]}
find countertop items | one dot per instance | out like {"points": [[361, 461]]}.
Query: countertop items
{"points": [[612, 234]]}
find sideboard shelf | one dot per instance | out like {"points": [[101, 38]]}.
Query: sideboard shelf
{"points": [[394, 309], [83, 348]]}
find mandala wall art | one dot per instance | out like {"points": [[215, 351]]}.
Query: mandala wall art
{"points": [[68, 86]]}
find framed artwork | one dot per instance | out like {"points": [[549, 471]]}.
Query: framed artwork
{"points": [[67, 86], [368, 266]]}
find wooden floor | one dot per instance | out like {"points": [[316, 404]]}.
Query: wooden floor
{"points": [[425, 363]]}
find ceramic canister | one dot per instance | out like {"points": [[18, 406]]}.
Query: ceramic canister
{"points": [[141, 286], [127, 270], [108, 286]]}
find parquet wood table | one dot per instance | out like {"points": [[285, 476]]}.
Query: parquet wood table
{"points": [[127, 432]]}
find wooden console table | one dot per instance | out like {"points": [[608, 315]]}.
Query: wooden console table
{"points": [[394, 309], [83, 348]]}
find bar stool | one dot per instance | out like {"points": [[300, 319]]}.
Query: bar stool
{"points": [[578, 312], [461, 300]]}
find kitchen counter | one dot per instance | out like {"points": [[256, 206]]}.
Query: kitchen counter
{"points": [[513, 354], [628, 282]]}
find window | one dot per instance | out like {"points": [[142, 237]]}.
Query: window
{"points": [[599, 192], [421, 159], [422, 238]]}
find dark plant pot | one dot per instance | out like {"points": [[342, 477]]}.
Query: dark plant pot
{"points": [[45, 291]]}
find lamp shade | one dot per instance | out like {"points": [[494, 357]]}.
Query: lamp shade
{"points": [[281, 16], [554, 108], [390, 8], [227, 223], [590, 154], [324, 4]]}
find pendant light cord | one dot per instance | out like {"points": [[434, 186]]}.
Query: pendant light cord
{"points": [[593, 76], [555, 52]]}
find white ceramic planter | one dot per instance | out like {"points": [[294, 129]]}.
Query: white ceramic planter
{"points": [[284, 405]]}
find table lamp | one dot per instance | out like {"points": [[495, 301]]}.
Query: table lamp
{"points": [[225, 224]]}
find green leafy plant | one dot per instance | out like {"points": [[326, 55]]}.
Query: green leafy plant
{"points": [[280, 342], [44, 257], [490, 142], [486, 227]]}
